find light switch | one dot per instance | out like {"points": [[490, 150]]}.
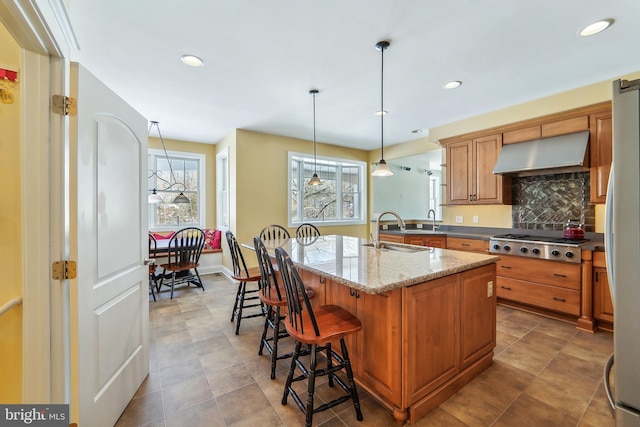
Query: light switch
{"points": [[475, 219]]}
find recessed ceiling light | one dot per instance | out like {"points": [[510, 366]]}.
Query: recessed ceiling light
{"points": [[452, 84], [416, 131], [192, 60], [595, 28], [381, 113]]}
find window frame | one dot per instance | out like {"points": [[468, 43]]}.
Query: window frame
{"points": [[362, 167], [153, 153], [223, 209]]}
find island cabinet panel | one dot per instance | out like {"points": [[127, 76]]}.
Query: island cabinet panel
{"points": [[430, 320], [477, 314], [376, 350]]}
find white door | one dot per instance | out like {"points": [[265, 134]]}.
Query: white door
{"points": [[109, 308]]}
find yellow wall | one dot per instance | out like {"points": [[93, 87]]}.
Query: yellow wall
{"points": [[209, 150], [10, 229], [500, 216], [261, 182]]}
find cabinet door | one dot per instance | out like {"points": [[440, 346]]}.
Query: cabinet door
{"points": [[379, 344], [563, 127], [431, 325], [414, 240], [477, 313], [436, 242], [601, 155], [487, 187], [393, 238], [602, 305], [343, 296], [468, 245], [459, 170]]}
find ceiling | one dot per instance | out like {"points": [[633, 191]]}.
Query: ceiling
{"points": [[261, 58]]}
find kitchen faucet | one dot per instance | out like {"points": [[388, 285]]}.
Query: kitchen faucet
{"points": [[433, 221], [376, 240]]}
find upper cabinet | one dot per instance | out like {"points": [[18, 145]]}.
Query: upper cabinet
{"points": [[600, 138], [472, 157], [470, 178]]}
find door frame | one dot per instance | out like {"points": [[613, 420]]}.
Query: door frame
{"points": [[42, 29]]}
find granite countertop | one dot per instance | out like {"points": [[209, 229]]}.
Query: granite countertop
{"points": [[347, 260], [595, 242]]}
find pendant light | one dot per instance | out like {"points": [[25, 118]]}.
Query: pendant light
{"points": [[154, 197], [314, 179], [381, 168]]}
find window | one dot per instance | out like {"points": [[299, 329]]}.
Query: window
{"points": [[222, 188], [188, 178], [341, 198]]}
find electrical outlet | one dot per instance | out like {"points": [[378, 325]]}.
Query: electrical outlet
{"points": [[385, 227], [475, 219], [490, 289], [418, 225], [459, 219]]}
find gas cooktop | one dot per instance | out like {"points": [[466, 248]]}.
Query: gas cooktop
{"points": [[541, 239], [540, 247]]}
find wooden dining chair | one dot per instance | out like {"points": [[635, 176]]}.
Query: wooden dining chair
{"points": [[317, 328], [307, 231], [273, 232], [183, 256], [153, 280], [245, 298]]}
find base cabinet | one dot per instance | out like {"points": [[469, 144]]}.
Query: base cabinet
{"points": [[602, 304], [548, 285], [419, 345]]}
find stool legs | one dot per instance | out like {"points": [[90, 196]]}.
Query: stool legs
{"points": [[311, 374], [273, 318], [240, 304]]}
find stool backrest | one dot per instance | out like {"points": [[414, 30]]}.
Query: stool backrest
{"points": [[239, 266], [307, 230], [273, 232], [297, 299], [269, 280], [185, 246]]}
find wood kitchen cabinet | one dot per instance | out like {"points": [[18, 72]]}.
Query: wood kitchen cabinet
{"points": [[420, 344], [548, 285], [602, 305], [470, 178], [376, 350], [468, 245], [432, 241], [600, 140]]}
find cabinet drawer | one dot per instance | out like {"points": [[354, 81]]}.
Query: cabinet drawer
{"points": [[566, 275], [393, 238], [549, 297], [472, 245]]}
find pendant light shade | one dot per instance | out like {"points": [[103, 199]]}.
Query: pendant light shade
{"points": [[382, 169], [314, 179], [154, 197]]}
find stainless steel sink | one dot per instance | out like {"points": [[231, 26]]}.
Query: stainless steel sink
{"points": [[385, 246]]}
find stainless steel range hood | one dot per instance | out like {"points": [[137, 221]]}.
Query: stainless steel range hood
{"points": [[557, 154]]}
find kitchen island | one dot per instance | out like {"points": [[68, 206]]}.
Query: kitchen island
{"points": [[428, 315]]}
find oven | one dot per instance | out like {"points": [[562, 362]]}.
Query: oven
{"points": [[538, 247]]}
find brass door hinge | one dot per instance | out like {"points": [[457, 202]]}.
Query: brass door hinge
{"points": [[64, 105], [63, 270]]}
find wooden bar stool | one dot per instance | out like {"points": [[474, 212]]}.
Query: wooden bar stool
{"points": [[316, 328], [273, 296], [242, 274]]}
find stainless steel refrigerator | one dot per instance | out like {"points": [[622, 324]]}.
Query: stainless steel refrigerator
{"points": [[622, 245]]}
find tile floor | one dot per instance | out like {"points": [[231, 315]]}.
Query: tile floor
{"points": [[545, 373]]}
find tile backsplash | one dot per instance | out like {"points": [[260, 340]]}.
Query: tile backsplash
{"points": [[546, 202]]}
